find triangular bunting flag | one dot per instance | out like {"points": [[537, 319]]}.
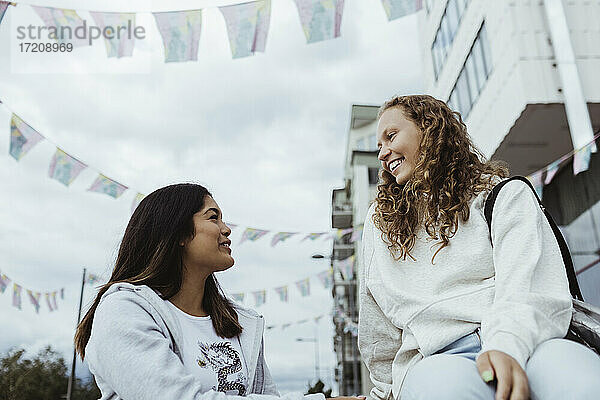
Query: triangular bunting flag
{"points": [[62, 293], [61, 25], [247, 26], [239, 297], [551, 171], [22, 137], [34, 299], [136, 201], [321, 19], [356, 234], [581, 159], [105, 185], [4, 281], [48, 303], [54, 301], [3, 6], [346, 267], [180, 31], [16, 300], [119, 42], [260, 297], [314, 236], [326, 278], [304, 287], [280, 237], [92, 279], [399, 8], [282, 291], [339, 233], [538, 184], [252, 234], [64, 168]]}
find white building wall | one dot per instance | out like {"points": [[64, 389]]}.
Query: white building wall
{"points": [[523, 71]]}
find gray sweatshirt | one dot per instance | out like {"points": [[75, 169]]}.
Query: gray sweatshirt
{"points": [[135, 351], [516, 291]]}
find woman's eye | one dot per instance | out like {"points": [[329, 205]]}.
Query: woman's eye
{"points": [[391, 135], [214, 217]]}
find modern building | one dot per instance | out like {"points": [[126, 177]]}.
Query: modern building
{"points": [[349, 207], [524, 76]]}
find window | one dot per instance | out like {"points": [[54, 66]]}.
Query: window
{"points": [[473, 75], [446, 31]]}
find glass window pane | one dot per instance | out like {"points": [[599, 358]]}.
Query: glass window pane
{"points": [[487, 53], [465, 97], [477, 57], [472, 78], [452, 16]]}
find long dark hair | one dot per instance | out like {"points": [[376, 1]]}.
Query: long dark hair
{"points": [[150, 254]]}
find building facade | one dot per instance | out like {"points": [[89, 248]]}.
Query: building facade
{"points": [[525, 88]]}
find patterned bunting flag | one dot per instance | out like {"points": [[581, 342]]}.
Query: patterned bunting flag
{"points": [[3, 6], [62, 24], [282, 291], [260, 297], [180, 31], [551, 171], [92, 279], [64, 168], [314, 236], [399, 8], [339, 233], [4, 281], [280, 237], [105, 185], [581, 159], [326, 278], [136, 201], [304, 287], [321, 19], [22, 137], [34, 299], [356, 234], [47, 296], [119, 42], [239, 297], [54, 301], [247, 26], [538, 184], [252, 234], [16, 301], [346, 267]]}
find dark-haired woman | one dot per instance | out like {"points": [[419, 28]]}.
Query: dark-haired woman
{"points": [[161, 328], [443, 313]]}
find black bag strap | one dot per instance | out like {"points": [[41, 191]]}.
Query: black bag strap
{"points": [[564, 250]]}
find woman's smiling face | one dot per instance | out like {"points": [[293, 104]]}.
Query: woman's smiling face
{"points": [[398, 141]]}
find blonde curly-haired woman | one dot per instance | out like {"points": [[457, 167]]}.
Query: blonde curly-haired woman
{"points": [[443, 313]]}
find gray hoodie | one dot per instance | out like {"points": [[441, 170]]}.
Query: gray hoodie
{"points": [[135, 351]]}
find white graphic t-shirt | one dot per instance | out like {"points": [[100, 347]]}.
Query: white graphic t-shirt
{"points": [[217, 361]]}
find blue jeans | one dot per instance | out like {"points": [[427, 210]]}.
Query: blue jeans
{"points": [[558, 369]]}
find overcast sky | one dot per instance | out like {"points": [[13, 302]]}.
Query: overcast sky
{"points": [[266, 134]]}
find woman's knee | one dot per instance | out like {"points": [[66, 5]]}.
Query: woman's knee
{"points": [[560, 369], [443, 376]]}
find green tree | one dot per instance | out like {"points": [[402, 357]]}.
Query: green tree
{"points": [[43, 377], [319, 387]]}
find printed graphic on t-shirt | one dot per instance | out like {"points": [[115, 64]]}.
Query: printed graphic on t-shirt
{"points": [[224, 361]]}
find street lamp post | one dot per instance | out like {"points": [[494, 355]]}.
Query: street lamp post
{"points": [[315, 340]]}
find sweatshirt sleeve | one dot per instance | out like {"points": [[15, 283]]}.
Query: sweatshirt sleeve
{"points": [[129, 354], [532, 302], [378, 339]]}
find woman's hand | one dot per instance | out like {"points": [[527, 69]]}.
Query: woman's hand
{"points": [[512, 380]]}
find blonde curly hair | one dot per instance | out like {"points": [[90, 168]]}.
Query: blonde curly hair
{"points": [[449, 172]]}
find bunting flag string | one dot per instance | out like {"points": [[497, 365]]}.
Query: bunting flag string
{"points": [[34, 296], [581, 160], [285, 325], [247, 26]]}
